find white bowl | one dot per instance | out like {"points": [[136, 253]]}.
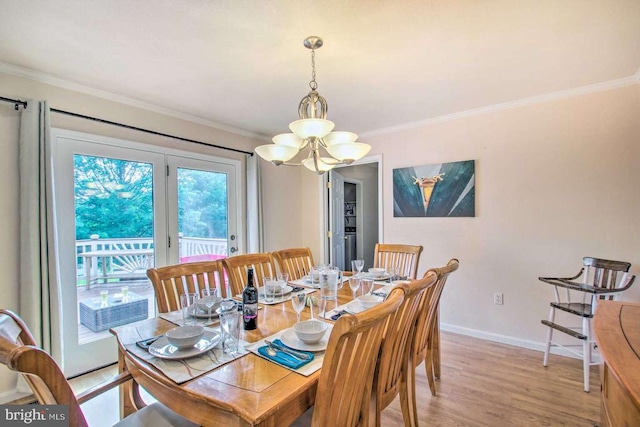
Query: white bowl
{"points": [[201, 303], [275, 286], [368, 300], [377, 272], [185, 336], [310, 331]]}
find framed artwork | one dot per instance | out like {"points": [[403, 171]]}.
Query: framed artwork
{"points": [[439, 190]]}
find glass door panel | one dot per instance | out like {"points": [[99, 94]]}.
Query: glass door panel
{"points": [[108, 220], [202, 198], [202, 215]]}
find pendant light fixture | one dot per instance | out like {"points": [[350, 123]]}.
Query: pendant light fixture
{"points": [[313, 132]]}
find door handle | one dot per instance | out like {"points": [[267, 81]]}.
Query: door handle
{"points": [[233, 250]]}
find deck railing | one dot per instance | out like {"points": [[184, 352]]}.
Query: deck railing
{"points": [[188, 247]]}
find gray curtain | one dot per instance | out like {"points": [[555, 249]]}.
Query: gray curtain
{"points": [[255, 232], [38, 289]]}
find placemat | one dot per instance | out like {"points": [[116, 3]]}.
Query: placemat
{"points": [[183, 370], [305, 370]]}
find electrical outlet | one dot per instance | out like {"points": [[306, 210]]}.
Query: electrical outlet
{"points": [[497, 298]]}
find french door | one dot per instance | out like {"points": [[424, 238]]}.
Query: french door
{"points": [[122, 207]]}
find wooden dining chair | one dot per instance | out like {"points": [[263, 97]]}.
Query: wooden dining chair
{"points": [[405, 257], [393, 364], [236, 266], [422, 347], [18, 351], [171, 281], [296, 262], [343, 397]]}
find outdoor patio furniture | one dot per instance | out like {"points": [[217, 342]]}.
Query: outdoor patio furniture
{"points": [[99, 316]]}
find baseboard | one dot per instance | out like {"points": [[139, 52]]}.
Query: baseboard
{"points": [[506, 339]]}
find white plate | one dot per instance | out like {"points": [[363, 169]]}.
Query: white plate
{"points": [[285, 291], [384, 276], [162, 349], [290, 339], [354, 307], [203, 314]]}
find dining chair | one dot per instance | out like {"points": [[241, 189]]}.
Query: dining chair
{"points": [[236, 266], [404, 257], [426, 328], [343, 396], [391, 371], [598, 279], [18, 351], [294, 261], [171, 281]]}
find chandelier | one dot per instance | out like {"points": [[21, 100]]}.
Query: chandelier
{"points": [[313, 132]]}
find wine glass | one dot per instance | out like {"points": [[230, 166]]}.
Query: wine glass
{"points": [[209, 296], [354, 284], [357, 265], [298, 302], [283, 279]]}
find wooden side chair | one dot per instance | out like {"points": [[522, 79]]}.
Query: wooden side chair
{"points": [[392, 369], [405, 257], [171, 281], [18, 351], [236, 266], [598, 279], [343, 397], [426, 330], [296, 262]]}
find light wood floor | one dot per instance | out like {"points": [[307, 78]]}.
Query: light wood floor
{"points": [[490, 384], [483, 384]]}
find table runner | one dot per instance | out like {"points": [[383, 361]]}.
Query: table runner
{"points": [[278, 300]]}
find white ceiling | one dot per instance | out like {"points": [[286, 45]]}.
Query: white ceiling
{"points": [[241, 63]]}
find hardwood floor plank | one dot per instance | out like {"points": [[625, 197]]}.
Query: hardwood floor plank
{"points": [[491, 384]]}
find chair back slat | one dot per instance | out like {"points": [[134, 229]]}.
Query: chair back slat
{"points": [[346, 379], [296, 262], [171, 281], [43, 375], [406, 257], [236, 266]]}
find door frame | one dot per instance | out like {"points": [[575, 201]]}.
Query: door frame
{"points": [[326, 214]]}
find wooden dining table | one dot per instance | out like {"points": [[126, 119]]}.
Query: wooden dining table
{"points": [[249, 391]]}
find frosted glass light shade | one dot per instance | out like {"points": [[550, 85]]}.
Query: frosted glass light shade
{"points": [[288, 139], [340, 137], [348, 150], [276, 153], [323, 164], [306, 128]]}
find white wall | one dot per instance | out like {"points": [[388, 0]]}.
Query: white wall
{"points": [[555, 181]]}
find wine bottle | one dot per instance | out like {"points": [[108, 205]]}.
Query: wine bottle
{"points": [[250, 303]]}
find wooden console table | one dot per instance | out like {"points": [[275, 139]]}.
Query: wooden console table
{"points": [[617, 331]]}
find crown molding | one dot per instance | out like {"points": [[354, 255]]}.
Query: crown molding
{"points": [[569, 93], [54, 81]]}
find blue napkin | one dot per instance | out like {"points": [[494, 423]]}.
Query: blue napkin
{"points": [[284, 358]]}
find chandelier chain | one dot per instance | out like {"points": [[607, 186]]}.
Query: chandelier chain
{"points": [[313, 84]]}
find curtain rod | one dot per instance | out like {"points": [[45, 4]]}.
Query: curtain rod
{"points": [[18, 102]]}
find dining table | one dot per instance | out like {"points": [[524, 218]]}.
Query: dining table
{"points": [[247, 391]]}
